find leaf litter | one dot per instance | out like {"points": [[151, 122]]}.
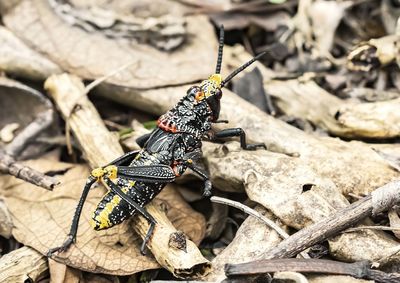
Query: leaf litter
{"points": [[337, 77]]}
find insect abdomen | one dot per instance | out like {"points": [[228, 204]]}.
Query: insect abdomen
{"points": [[111, 210]]}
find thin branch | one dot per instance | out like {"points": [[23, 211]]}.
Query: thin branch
{"points": [[42, 122], [87, 89], [379, 200], [357, 269], [9, 166], [98, 81]]}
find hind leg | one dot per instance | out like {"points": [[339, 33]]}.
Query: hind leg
{"points": [[75, 221], [116, 189]]}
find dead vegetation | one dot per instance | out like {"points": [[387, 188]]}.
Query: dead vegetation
{"points": [[81, 80]]}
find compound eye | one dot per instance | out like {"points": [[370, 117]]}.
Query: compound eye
{"points": [[193, 90], [199, 96]]}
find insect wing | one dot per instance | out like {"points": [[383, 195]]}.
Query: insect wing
{"points": [[151, 173]]}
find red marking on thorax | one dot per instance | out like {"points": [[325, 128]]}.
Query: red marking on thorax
{"points": [[166, 125]]}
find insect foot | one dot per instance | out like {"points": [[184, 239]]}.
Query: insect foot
{"points": [[68, 242], [255, 146]]}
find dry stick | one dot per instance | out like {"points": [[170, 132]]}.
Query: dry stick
{"points": [[357, 269], [381, 199], [322, 230], [8, 165], [257, 215], [100, 147], [88, 88], [42, 122], [23, 265]]}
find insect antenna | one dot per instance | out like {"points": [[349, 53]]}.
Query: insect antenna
{"points": [[241, 68], [220, 49]]}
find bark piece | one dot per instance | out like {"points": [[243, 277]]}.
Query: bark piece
{"points": [[22, 265], [100, 147]]}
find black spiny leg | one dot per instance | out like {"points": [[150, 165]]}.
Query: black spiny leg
{"points": [[221, 121], [75, 221], [238, 132], [203, 175], [140, 209]]}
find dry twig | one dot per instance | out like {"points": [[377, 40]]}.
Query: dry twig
{"points": [[339, 221], [42, 122], [9, 166], [23, 265], [357, 269]]}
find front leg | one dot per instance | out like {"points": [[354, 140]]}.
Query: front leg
{"points": [[207, 183], [238, 132]]}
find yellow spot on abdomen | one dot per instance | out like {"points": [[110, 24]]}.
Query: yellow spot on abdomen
{"points": [[102, 220]]}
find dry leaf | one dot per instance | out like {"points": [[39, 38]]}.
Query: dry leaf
{"points": [[6, 224], [42, 219], [92, 55], [60, 273]]}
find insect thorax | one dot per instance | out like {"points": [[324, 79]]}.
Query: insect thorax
{"points": [[188, 116]]}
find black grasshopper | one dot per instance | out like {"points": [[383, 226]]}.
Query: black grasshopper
{"points": [[135, 178]]}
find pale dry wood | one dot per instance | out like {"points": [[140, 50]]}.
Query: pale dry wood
{"points": [[251, 240], [303, 98], [322, 230], [100, 147], [253, 213], [23, 265], [375, 53]]}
